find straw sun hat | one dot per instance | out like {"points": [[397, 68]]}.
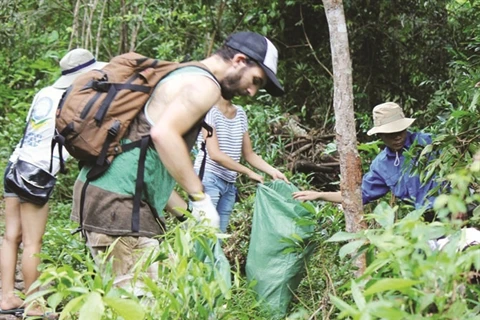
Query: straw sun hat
{"points": [[388, 117]]}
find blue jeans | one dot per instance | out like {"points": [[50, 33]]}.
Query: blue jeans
{"points": [[223, 195]]}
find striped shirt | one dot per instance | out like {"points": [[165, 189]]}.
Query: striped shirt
{"points": [[230, 139]]}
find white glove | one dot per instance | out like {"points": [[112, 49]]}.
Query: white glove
{"points": [[204, 210]]}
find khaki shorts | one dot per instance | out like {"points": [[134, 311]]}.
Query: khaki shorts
{"points": [[127, 254]]}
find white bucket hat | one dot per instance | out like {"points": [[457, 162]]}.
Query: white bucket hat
{"points": [[74, 63], [388, 117]]}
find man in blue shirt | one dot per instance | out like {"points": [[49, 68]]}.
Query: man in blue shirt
{"points": [[390, 170]]}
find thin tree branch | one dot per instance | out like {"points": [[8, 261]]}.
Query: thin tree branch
{"points": [[123, 28], [300, 150], [84, 22], [310, 45], [137, 28], [99, 30], [74, 34], [92, 6], [291, 144], [217, 27]]}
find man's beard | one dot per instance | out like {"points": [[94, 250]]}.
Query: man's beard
{"points": [[231, 84], [226, 93]]}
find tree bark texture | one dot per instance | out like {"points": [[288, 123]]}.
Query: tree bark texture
{"points": [[350, 163]]}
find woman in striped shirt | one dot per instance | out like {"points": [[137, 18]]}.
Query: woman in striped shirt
{"points": [[229, 142]]}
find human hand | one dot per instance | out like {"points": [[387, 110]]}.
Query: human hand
{"points": [[255, 176], [307, 195], [204, 210], [277, 175], [460, 216]]}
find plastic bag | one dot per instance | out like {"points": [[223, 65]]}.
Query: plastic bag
{"points": [[211, 253], [279, 245]]}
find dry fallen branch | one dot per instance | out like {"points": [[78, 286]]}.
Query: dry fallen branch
{"points": [[304, 151]]}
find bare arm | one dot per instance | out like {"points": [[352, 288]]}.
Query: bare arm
{"points": [[192, 97], [174, 203], [310, 195], [223, 159], [257, 162]]}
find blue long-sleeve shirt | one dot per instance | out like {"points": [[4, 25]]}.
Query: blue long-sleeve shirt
{"points": [[384, 176]]}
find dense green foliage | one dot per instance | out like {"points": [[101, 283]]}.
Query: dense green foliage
{"points": [[422, 54]]}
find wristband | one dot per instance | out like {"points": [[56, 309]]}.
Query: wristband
{"points": [[182, 218], [197, 196]]}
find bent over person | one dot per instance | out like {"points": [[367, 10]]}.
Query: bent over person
{"points": [[229, 142], [25, 221], [246, 63], [389, 170]]}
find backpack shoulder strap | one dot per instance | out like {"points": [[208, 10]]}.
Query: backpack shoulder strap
{"points": [[209, 129], [198, 65]]}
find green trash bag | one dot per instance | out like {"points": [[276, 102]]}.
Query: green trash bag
{"points": [[279, 245], [211, 253]]}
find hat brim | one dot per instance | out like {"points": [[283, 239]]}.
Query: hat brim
{"points": [[273, 86], [395, 126], [66, 80]]}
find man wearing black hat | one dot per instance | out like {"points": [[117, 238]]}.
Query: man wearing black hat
{"points": [[246, 63]]}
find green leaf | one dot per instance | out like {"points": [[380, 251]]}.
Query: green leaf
{"points": [[440, 201], [456, 205], [179, 242], [375, 265], [343, 236], [429, 174], [127, 309], [350, 247], [357, 296], [39, 294], [330, 148], [388, 312], [426, 150], [344, 307], [79, 290], [55, 299], [297, 237], [53, 36], [71, 307], [390, 285], [93, 307], [309, 207], [459, 113], [384, 214]]}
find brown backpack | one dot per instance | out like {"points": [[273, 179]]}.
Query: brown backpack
{"points": [[96, 110]]}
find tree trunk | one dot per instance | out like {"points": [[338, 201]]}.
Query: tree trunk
{"points": [[123, 45], [350, 163], [74, 38]]}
